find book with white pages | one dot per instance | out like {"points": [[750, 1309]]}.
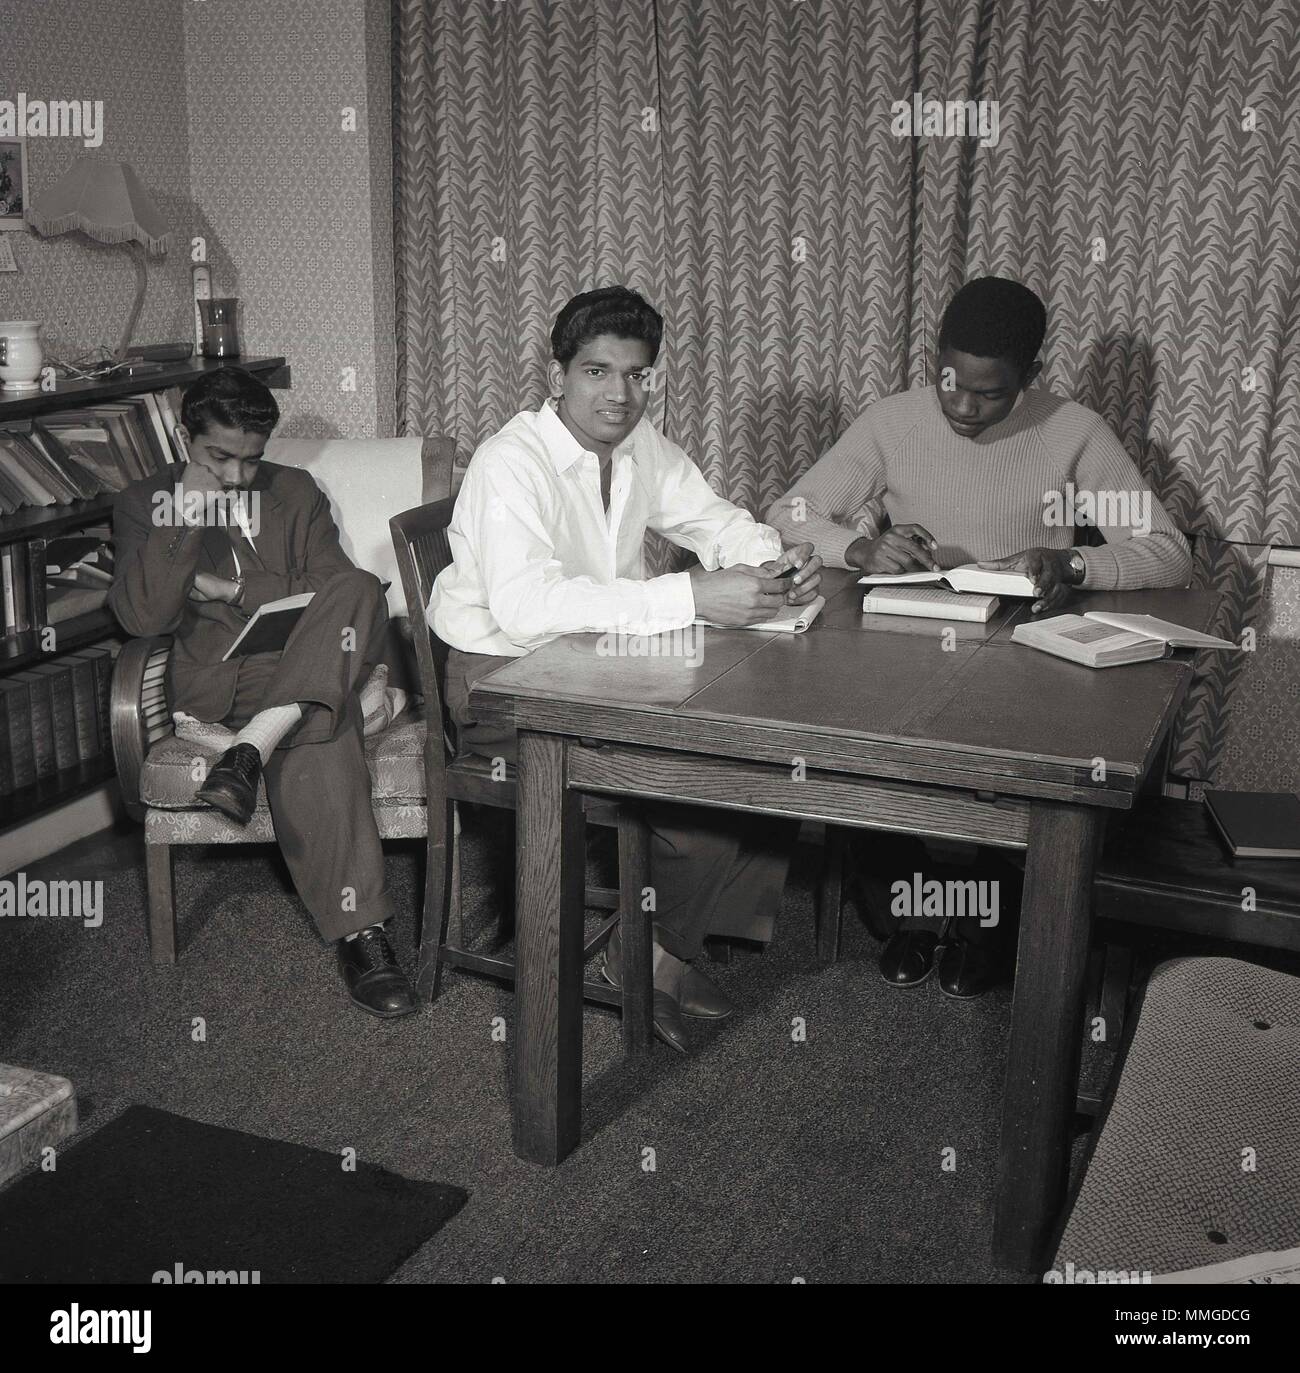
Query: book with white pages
{"points": [[1102, 638], [793, 619], [929, 602], [969, 577]]}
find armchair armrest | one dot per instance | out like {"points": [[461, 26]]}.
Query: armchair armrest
{"points": [[140, 713]]}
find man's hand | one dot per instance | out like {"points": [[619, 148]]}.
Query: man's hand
{"points": [[209, 587], [1048, 568], [805, 585], [737, 596], [901, 548]]}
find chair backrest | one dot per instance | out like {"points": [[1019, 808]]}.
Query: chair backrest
{"points": [[422, 550], [366, 480]]}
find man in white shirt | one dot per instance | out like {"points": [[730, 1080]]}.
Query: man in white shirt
{"points": [[547, 539]]}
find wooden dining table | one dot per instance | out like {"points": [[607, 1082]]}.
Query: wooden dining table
{"points": [[882, 722]]}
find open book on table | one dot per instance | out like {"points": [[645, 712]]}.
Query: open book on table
{"points": [[967, 577], [1104, 638]]}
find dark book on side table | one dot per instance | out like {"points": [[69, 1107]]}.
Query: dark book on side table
{"points": [[1257, 824]]}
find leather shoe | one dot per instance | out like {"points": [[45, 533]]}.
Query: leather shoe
{"points": [[666, 1011], [967, 970], [232, 783], [700, 997], [908, 958], [373, 979]]}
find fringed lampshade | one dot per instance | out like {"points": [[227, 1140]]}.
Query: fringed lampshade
{"points": [[107, 202]]}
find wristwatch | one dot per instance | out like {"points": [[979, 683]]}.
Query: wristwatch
{"points": [[1078, 568], [239, 590]]}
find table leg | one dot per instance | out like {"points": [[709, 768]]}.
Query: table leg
{"points": [[550, 883], [1046, 1025]]}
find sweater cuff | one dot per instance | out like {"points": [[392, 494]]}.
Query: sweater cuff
{"points": [[833, 545], [1100, 568]]}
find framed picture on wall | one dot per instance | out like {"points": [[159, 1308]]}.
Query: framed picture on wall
{"points": [[13, 182]]}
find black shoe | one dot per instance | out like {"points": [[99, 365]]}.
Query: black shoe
{"points": [[373, 979], [666, 1011], [701, 997], [232, 783], [908, 958], [968, 970]]}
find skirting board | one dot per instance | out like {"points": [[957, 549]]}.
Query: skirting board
{"points": [[54, 829]]}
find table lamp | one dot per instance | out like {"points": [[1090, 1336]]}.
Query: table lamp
{"points": [[107, 202]]}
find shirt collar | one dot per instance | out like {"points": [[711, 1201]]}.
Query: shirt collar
{"points": [[562, 448]]}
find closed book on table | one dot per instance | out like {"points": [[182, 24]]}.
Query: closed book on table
{"points": [[20, 769], [1257, 824], [41, 717], [64, 713], [929, 602]]}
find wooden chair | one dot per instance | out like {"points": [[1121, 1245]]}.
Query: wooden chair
{"points": [[455, 776], [156, 770]]}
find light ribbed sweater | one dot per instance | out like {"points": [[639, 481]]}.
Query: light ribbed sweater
{"points": [[990, 496]]}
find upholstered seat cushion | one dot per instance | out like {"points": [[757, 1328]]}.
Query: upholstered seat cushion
{"points": [[395, 757], [1197, 1161]]}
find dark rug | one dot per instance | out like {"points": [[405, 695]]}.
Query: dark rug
{"points": [[152, 1190]]}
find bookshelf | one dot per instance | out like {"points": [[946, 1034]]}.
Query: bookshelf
{"points": [[25, 650]]}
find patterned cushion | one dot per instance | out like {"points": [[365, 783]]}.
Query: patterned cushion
{"points": [[1197, 1161], [395, 757], [399, 819]]}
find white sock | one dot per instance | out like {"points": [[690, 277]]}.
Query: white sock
{"points": [[348, 938], [265, 730]]}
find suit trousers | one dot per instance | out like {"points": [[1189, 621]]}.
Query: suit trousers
{"points": [[714, 872], [317, 782]]}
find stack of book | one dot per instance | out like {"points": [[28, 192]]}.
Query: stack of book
{"points": [[55, 716], [45, 581], [71, 455]]}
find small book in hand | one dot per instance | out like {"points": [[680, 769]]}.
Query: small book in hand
{"points": [[969, 577], [1257, 824], [1102, 638], [268, 630], [792, 619]]}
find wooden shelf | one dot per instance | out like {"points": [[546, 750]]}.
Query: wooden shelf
{"points": [[62, 786], [18, 651], [45, 521], [72, 394]]}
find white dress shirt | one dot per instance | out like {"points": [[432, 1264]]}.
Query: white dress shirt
{"points": [[535, 555]]}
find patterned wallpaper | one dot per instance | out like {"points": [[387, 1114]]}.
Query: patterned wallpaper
{"points": [[231, 113], [130, 58], [285, 197]]}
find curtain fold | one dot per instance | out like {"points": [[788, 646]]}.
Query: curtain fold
{"points": [[735, 161]]}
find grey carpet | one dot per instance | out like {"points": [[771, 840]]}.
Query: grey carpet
{"points": [[772, 1159]]}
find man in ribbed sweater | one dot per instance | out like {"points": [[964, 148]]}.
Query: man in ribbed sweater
{"points": [[982, 467]]}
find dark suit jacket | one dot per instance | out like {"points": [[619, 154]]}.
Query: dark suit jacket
{"points": [[297, 549]]}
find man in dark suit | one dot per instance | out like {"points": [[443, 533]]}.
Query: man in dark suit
{"points": [[199, 547]]}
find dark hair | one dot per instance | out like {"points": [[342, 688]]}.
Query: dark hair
{"points": [[994, 317], [229, 396], [613, 310]]}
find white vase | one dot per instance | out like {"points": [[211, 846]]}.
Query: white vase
{"points": [[21, 357]]}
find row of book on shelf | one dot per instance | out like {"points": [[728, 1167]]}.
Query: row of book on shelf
{"points": [[62, 456], [55, 716], [46, 581]]}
